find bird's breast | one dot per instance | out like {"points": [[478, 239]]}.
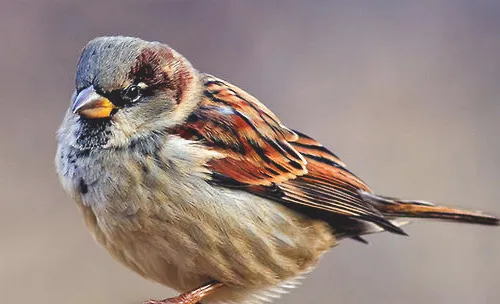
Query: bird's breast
{"points": [[159, 216]]}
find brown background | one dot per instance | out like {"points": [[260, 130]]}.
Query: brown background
{"points": [[407, 93]]}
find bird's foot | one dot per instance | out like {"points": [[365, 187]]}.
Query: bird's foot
{"points": [[175, 300], [191, 297]]}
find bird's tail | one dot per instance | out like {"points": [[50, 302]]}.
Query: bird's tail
{"points": [[396, 208]]}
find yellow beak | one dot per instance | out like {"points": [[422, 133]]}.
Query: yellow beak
{"points": [[91, 105]]}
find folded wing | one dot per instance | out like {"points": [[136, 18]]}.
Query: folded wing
{"points": [[262, 156]]}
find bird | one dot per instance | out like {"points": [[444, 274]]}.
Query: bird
{"points": [[192, 182]]}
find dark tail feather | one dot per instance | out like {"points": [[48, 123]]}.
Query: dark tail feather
{"points": [[419, 210], [393, 208]]}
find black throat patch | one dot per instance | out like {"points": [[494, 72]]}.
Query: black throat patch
{"points": [[93, 133]]}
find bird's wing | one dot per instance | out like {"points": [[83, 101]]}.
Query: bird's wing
{"points": [[264, 157]]}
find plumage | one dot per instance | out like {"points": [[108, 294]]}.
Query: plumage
{"points": [[192, 182]]}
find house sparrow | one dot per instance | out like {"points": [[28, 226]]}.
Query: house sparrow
{"points": [[192, 182]]}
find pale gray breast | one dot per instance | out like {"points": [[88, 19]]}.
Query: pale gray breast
{"points": [[154, 203]]}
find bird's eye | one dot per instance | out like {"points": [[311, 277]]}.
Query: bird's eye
{"points": [[133, 93]]}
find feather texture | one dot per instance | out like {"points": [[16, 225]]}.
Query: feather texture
{"points": [[268, 159]]}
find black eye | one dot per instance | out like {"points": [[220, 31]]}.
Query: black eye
{"points": [[133, 93]]}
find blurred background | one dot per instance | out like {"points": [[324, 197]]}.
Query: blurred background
{"points": [[406, 92]]}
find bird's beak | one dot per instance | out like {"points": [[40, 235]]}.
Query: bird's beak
{"points": [[91, 105]]}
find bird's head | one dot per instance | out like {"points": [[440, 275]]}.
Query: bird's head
{"points": [[127, 88]]}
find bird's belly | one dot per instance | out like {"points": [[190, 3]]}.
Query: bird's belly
{"points": [[246, 242], [161, 218]]}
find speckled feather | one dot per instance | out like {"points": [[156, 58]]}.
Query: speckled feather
{"points": [[199, 181], [266, 158]]}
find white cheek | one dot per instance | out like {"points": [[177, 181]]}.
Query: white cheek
{"points": [[123, 128], [123, 122]]}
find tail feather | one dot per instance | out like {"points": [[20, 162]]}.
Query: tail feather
{"points": [[393, 208]]}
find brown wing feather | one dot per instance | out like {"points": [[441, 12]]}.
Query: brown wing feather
{"points": [[266, 158], [256, 146], [330, 183]]}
